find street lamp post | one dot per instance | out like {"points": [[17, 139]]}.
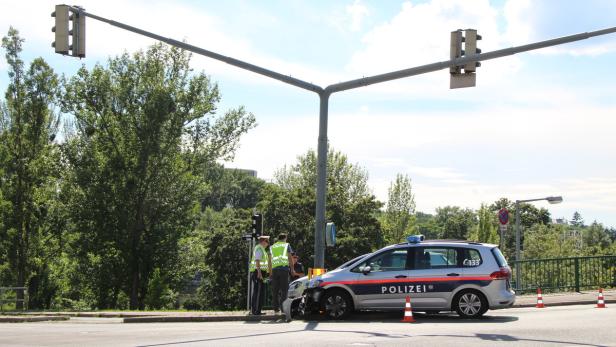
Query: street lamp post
{"points": [[518, 257]]}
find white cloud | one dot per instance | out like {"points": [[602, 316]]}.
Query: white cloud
{"points": [[386, 143], [357, 12], [419, 34]]}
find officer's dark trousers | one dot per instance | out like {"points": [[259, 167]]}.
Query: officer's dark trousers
{"points": [[258, 292], [280, 286]]}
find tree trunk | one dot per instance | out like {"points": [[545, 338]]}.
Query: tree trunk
{"points": [[135, 299], [21, 271], [134, 291]]}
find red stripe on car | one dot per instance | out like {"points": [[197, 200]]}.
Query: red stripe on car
{"points": [[412, 280]]}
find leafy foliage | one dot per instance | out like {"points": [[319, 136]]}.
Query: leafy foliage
{"points": [[399, 219], [225, 260], [145, 131], [486, 228], [453, 222], [289, 208], [28, 158]]}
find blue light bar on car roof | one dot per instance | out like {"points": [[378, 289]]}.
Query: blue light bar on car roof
{"points": [[414, 238]]}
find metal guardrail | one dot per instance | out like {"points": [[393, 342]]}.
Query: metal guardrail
{"points": [[3, 300], [559, 274]]}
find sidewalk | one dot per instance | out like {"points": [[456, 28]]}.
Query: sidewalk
{"points": [[530, 300], [564, 299]]}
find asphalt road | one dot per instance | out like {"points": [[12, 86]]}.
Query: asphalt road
{"points": [[554, 326]]}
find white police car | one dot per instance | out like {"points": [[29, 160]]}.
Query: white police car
{"points": [[298, 286], [462, 276]]}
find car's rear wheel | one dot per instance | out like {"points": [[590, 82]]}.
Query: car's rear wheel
{"points": [[470, 304], [337, 304]]}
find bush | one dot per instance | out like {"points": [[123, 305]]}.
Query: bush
{"points": [[159, 295]]}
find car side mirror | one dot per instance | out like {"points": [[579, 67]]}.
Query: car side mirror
{"points": [[366, 269]]}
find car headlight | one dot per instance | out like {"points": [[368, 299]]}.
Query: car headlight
{"points": [[315, 282]]}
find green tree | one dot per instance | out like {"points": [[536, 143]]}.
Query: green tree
{"points": [[596, 240], [486, 228], [426, 225], [399, 219], [145, 133], [29, 158], [549, 241], [231, 188], [577, 220], [350, 205], [453, 222], [225, 258], [529, 216]]}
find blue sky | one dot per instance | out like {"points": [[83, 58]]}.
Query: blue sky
{"points": [[537, 124]]}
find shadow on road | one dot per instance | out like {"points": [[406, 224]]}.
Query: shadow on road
{"points": [[312, 326], [390, 317], [509, 338], [309, 326]]}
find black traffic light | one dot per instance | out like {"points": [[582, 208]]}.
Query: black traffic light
{"points": [[257, 225]]}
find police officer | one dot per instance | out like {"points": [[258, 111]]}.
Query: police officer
{"points": [[298, 267], [281, 261], [260, 268]]}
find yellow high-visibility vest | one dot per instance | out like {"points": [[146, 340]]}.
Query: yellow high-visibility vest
{"points": [[279, 254], [262, 262]]}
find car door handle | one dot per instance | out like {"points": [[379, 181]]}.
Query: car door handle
{"points": [[401, 276], [453, 274]]}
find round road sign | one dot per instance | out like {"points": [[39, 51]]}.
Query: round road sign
{"points": [[503, 216]]}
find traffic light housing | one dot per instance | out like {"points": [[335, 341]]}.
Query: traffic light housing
{"points": [[78, 33], [470, 47], [463, 43], [456, 51], [257, 225], [70, 31], [60, 29]]}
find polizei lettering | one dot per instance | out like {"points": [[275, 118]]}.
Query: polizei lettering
{"points": [[403, 289]]}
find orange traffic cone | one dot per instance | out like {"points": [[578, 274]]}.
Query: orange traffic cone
{"points": [[408, 312], [539, 299], [600, 301]]}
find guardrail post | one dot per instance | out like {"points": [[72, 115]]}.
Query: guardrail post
{"points": [[576, 264]]}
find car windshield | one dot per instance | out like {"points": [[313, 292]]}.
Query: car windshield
{"points": [[352, 261]]}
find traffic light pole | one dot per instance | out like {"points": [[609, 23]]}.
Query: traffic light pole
{"points": [[325, 93]]}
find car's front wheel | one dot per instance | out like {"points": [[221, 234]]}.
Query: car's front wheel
{"points": [[470, 304], [337, 304]]}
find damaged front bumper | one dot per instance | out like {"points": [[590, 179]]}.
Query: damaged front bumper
{"points": [[309, 303]]}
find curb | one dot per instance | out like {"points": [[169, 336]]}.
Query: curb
{"points": [[32, 319], [81, 314], [564, 303], [188, 319]]}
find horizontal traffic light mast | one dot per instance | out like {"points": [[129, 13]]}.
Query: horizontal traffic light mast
{"points": [[463, 61]]}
